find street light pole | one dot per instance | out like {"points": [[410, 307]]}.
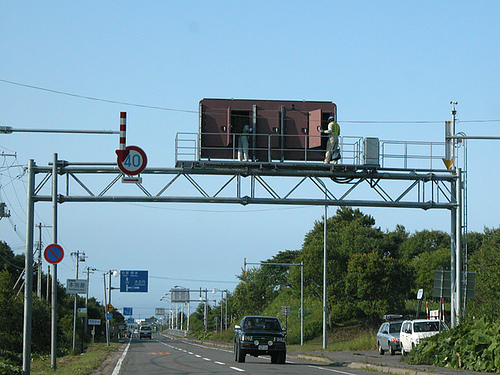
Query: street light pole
{"points": [[301, 264]]}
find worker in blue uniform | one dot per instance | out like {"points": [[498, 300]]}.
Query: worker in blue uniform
{"points": [[332, 144], [243, 143]]}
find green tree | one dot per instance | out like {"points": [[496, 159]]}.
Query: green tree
{"points": [[277, 275], [253, 293], [486, 263], [376, 286], [425, 241], [11, 315], [424, 266], [349, 232]]}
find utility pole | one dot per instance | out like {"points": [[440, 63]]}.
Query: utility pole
{"points": [[80, 257], [88, 271], [39, 249]]}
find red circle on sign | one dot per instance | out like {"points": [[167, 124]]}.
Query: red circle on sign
{"points": [[53, 253], [134, 163]]}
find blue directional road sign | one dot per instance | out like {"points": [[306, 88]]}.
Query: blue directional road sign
{"points": [[127, 311], [134, 281]]}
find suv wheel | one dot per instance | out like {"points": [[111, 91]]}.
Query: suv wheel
{"points": [[391, 350], [282, 358], [239, 354], [380, 350]]}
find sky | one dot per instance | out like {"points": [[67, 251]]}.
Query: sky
{"points": [[391, 67]]}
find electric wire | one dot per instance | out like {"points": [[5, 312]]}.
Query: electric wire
{"points": [[59, 92]]}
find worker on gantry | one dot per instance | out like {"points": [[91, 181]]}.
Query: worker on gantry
{"points": [[332, 145]]}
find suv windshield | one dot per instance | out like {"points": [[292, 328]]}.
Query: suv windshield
{"points": [[395, 327], [262, 324]]}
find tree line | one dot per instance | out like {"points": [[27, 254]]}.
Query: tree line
{"points": [[370, 272], [12, 315]]}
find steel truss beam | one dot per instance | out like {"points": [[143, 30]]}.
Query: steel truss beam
{"points": [[333, 185]]}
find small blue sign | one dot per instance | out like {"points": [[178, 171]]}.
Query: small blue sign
{"points": [[109, 316], [127, 311], [134, 281], [130, 320]]}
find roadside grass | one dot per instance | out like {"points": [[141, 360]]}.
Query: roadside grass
{"points": [[82, 364], [358, 340]]}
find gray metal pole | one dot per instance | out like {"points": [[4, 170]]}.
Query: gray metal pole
{"points": [[74, 303], [454, 229], [458, 244], [109, 303], [105, 309], [39, 276], [324, 277], [28, 285], [301, 303], [53, 335], [453, 278]]}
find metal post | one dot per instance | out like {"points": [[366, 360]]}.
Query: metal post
{"points": [[53, 336], [454, 229], [453, 278], [74, 303], [28, 285], [324, 276], [206, 310], [106, 309], [301, 303], [226, 309], [39, 276], [458, 244]]}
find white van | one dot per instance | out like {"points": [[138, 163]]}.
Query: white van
{"points": [[412, 331], [145, 332]]}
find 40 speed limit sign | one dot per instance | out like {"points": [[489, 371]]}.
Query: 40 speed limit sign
{"points": [[134, 163]]}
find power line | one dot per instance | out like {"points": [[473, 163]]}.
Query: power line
{"points": [[196, 112], [94, 98]]}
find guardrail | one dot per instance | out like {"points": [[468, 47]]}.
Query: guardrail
{"points": [[392, 154]]}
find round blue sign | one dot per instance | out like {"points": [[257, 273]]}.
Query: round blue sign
{"points": [[53, 253]]}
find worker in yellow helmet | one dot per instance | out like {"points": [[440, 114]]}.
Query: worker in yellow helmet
{"points": [[332, 144]]}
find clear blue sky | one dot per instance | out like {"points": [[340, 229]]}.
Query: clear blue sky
{"points": [[392, 61]]}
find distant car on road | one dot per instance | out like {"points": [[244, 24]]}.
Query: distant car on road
{"points": [[260, 335], [412, 331], [388, 337], [145, 332]]}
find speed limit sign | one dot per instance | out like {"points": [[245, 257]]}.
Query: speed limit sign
{"points": [[134, 163]]}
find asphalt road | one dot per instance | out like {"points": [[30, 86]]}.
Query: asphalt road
{"points": [[169, 355]]}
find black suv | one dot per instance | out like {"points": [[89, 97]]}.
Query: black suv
{"points": [[260, 335]]}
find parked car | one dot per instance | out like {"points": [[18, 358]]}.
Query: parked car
{"points": [[412, 331], [260, 335], [388, 337], [145, 332]]}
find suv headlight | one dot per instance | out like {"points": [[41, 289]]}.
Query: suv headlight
{"points": [[246, 338], [279, 339]]}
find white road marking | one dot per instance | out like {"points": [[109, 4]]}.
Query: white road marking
{"points": [[116, 371], [237, 369], [331, 370], [199, 356]]}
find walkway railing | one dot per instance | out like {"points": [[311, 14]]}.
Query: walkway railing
{"points": [[392, 154]]}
